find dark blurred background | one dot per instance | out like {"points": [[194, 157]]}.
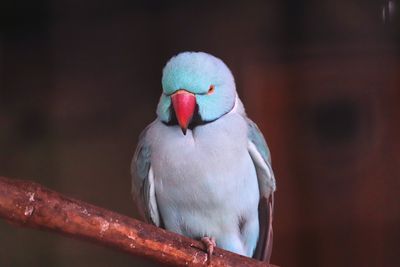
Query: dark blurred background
{"points": [[79, 80]]}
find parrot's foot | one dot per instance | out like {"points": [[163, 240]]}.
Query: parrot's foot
{"points": [[210, 244]]}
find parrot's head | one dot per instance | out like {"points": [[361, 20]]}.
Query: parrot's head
{"points": [[198, 88]]}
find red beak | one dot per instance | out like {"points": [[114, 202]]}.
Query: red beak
{"points": [[184, 104]]}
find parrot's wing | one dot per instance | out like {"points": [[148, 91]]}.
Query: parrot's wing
{"points": [[143, 189], [261, 157]]}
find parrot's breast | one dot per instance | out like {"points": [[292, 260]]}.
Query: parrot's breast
{"points": [[205, 181]]}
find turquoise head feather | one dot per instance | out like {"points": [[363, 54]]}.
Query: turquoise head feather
{"points": [[204, 76]]}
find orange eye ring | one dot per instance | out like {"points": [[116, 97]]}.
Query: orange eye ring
{"points": [[211, 89]]}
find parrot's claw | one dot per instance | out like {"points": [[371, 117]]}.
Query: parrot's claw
{"points": [[210, 244]]}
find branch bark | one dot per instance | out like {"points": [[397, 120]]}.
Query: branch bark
{"points": [[29, 204]]}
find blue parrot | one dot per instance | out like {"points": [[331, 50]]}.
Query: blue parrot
{"points": [[202, 169]]}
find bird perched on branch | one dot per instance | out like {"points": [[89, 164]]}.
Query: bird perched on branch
{"points": [[202, 168]]}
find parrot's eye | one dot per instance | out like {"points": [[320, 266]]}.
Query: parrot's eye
{"points": [[211, 90]]}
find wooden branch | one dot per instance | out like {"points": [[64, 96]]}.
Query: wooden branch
{"points": [[29, 204]]}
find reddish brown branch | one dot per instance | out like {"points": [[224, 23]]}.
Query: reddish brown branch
{"points": [[32, 205]]}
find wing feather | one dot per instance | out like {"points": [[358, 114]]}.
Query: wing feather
{"points": [[261, 157], [143, 189]]}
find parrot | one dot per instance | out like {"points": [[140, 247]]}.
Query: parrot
{"points": [[202, 168]]}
